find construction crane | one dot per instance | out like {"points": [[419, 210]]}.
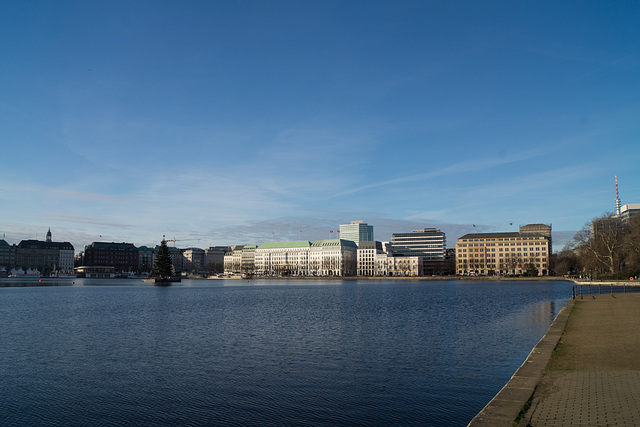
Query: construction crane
{"points": [[174, 240]]}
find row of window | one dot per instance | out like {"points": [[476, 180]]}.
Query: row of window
{"points": [[502, 239], [482, 245], [463, 251]]}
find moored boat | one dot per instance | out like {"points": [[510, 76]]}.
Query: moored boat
{"points": [[162, 280]]}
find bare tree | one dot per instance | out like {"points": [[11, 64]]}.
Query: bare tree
{"points": [[631, 242], [600, 243], [565, 262]]}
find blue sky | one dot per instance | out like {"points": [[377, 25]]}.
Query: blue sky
{"points": [[241, 122]]}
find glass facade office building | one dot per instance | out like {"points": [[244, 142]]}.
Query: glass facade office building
{"points": [[429, 243], [357, 232]]}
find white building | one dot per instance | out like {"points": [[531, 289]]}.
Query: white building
{"points": [[382, 264], [67, 257], [629, 210], [405, 266], [282, 259], [233, 260], [367, 253], [248, 259], [334, 257]]}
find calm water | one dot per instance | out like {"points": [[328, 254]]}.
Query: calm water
{"points": [[108, 352]]}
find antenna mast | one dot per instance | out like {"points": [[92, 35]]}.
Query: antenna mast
{"points": [[617, 198]]}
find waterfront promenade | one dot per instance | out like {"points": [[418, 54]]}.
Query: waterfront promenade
{"points": [[592, 377]]}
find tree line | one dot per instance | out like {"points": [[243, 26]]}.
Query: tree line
{"points": [[606, 248]]}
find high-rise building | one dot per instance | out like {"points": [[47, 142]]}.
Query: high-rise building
{"points": [[357, 232], [629, 210], [429, 243]]}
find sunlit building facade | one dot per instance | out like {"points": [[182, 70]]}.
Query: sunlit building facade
{"points": [[512, 253], [283, 258], [334, 257], [367, 253]]}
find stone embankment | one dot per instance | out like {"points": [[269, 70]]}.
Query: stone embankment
{"points": [[590, 378]]}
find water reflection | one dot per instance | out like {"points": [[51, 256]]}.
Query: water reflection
{"points": [[117, 351], [33, 282]]}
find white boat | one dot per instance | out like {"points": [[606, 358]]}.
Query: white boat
{"points": [[222, 276], [20, 273], [63, 275]]}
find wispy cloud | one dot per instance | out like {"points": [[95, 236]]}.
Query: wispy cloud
{"points": [[460, 168], [519, 199], [76, 219], [65, 194]]}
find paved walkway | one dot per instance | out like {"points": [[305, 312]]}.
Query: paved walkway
{"points": [[508, 403], [594, 377]]}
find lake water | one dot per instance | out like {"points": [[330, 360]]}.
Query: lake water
{"points": [[368, 353]]}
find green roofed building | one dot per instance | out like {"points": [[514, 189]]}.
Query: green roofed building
{"points": [[335, 257], [282, 258]]}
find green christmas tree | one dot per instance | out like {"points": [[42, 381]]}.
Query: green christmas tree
{"points": [[162, 267]]}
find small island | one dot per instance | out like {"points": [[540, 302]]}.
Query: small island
{"points": [[163, 272]]}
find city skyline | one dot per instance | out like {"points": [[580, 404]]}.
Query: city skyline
{"points": [[249, 122], [333, 234]]}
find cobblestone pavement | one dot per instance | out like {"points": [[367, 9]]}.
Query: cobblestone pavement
{"points": [[591, 399], [594, 377]]}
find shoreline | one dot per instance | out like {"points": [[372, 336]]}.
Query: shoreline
{"points": [[592, 337], [418, 278], [513, 399], [593, 377]]}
